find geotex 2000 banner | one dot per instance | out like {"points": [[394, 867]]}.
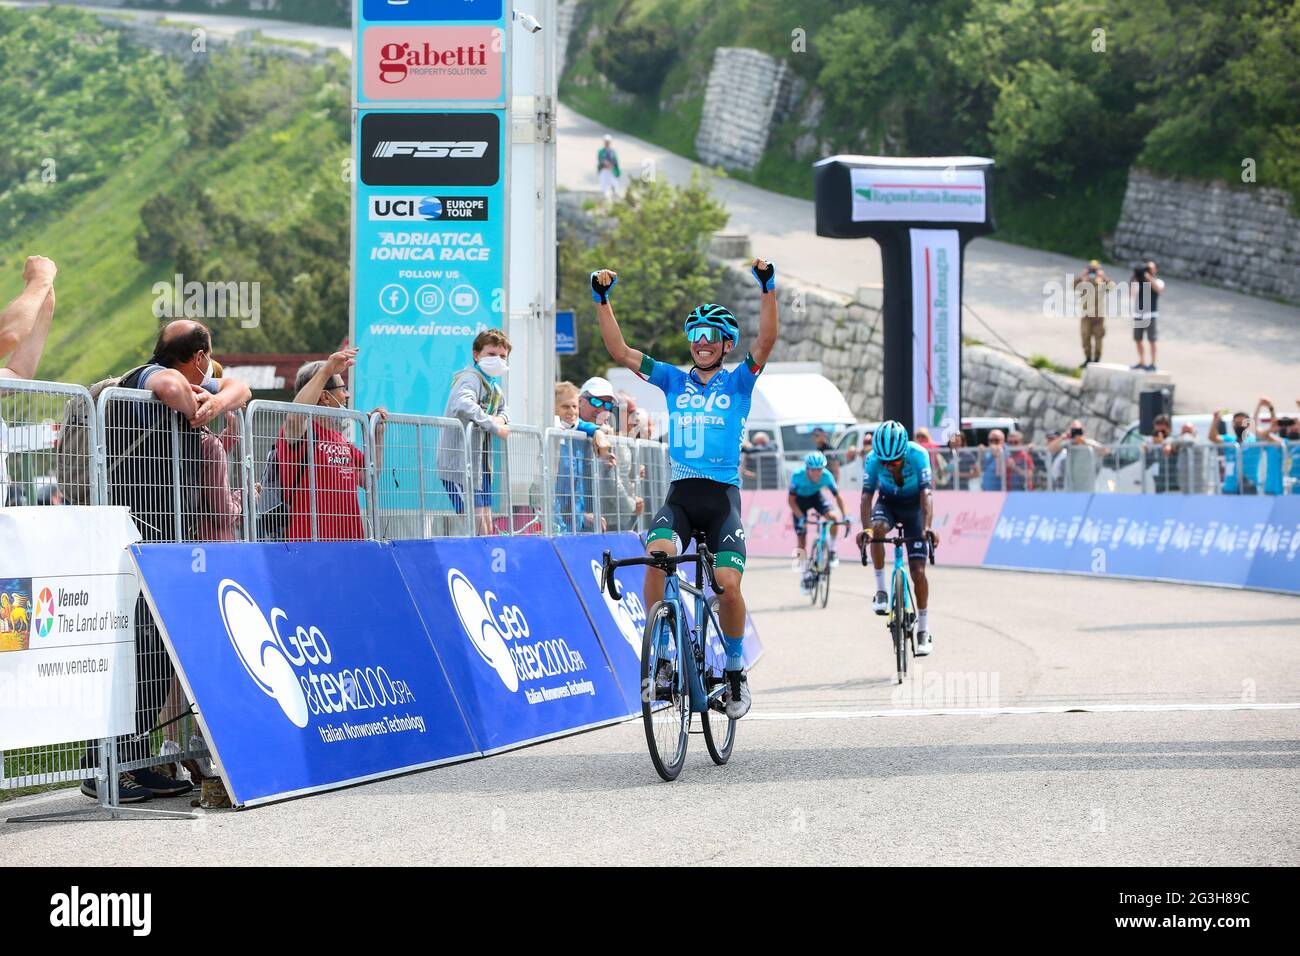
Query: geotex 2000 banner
{"points": [[429, 256], [67, 644], [309, 665], [515, 639]]}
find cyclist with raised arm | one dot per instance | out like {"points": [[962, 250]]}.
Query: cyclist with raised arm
{"points": [[806, 486], [896, 490], [707, 408]]}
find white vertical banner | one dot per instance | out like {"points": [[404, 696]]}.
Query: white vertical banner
{"points": [[936, 332], [67, 641]]}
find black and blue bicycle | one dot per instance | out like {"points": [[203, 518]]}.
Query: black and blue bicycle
{"points": [[902, 604], [682, 663]]}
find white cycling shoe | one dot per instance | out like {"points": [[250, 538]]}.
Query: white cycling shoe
{"points": [[880, 603], [924, 644], [738, 700]]}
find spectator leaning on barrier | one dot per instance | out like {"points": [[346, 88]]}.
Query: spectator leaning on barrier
{"points": [[1090, 287], [965, 462], [1080, 457], [140, 452], [1019, 464], [339, 466], [938, 466], [221, 509], [822, 443], [1160, 456], [1240, 457], [477, 399], [993, 462], [25, 322], [619, 508], [572, 465], [1289, 431], [759, 467]]}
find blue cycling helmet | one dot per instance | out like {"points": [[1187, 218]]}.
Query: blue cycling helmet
{"points": [[890, 441], [814, 459], [715, 316]]}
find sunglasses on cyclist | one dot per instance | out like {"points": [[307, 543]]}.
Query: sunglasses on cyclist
{"points": [[608, 403], [706, 332]]}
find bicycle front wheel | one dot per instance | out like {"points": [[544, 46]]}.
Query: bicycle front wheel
{"points": [[665, 709], [719, 729], [898, 627]]}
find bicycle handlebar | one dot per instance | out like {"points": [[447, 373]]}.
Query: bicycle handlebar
{"points": [[702, 558], [898, 540]]}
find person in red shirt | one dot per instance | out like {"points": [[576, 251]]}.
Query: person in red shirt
{"points": [[339, 466]]}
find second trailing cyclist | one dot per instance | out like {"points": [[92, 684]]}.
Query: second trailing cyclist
{"points": [[707, 408], [806, 486]]}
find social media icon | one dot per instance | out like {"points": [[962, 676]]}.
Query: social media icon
{"points": [[464, 299], [429, 299], [394, 299]]}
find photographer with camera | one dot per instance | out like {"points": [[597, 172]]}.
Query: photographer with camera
{"points": [[1145, 293], [1080, 457]]}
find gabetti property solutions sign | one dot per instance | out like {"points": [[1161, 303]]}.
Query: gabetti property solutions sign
{"points": [[922, 212], [429, 200]]}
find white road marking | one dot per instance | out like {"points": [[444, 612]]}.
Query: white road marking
{"points": [[1000, 711]]}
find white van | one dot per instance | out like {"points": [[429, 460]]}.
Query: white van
{"points": [[791, 400]]}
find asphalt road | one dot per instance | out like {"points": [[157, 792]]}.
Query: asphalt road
{"points": [[1081, 722]]}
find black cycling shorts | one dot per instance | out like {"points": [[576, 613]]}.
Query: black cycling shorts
{"points": [[809, 503], [908, 514], [699, 504]]}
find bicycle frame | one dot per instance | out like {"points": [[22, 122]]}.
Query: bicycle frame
{"points": [[689, 636]]}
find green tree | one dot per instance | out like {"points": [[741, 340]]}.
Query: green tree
{"points": [[657, 242]]}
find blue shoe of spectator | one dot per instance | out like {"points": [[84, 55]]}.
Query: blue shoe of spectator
{"points": [[128, 791]]}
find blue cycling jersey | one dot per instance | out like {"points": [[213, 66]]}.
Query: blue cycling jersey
{"points": [[705, 422], [916, 475], [801, 486]]}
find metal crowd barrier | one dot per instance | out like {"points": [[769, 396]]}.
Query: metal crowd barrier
{"points": [[280, 471], [49, 434]]}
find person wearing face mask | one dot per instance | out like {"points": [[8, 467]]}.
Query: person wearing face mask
{"points": [[477, 399]]}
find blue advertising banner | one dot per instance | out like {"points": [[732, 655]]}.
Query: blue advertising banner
{"points": [[1277, 557], [566, 333], [620, 624], [1036, 530], [1198, 538], [429, 254], [308, 663], [513, 636]]}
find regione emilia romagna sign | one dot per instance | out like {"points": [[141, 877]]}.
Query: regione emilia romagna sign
{"points": [[921, 212], [430, 142]]}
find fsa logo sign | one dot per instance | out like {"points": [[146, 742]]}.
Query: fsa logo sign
{"points": [[720, 401]]}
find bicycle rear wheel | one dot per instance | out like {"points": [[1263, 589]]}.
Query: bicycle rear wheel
{"points": [[719, 729], [898, 627], [664, 709]]}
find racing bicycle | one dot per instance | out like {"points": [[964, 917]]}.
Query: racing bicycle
{"points": [[682, 663], [818, 574], [902, 604]]}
